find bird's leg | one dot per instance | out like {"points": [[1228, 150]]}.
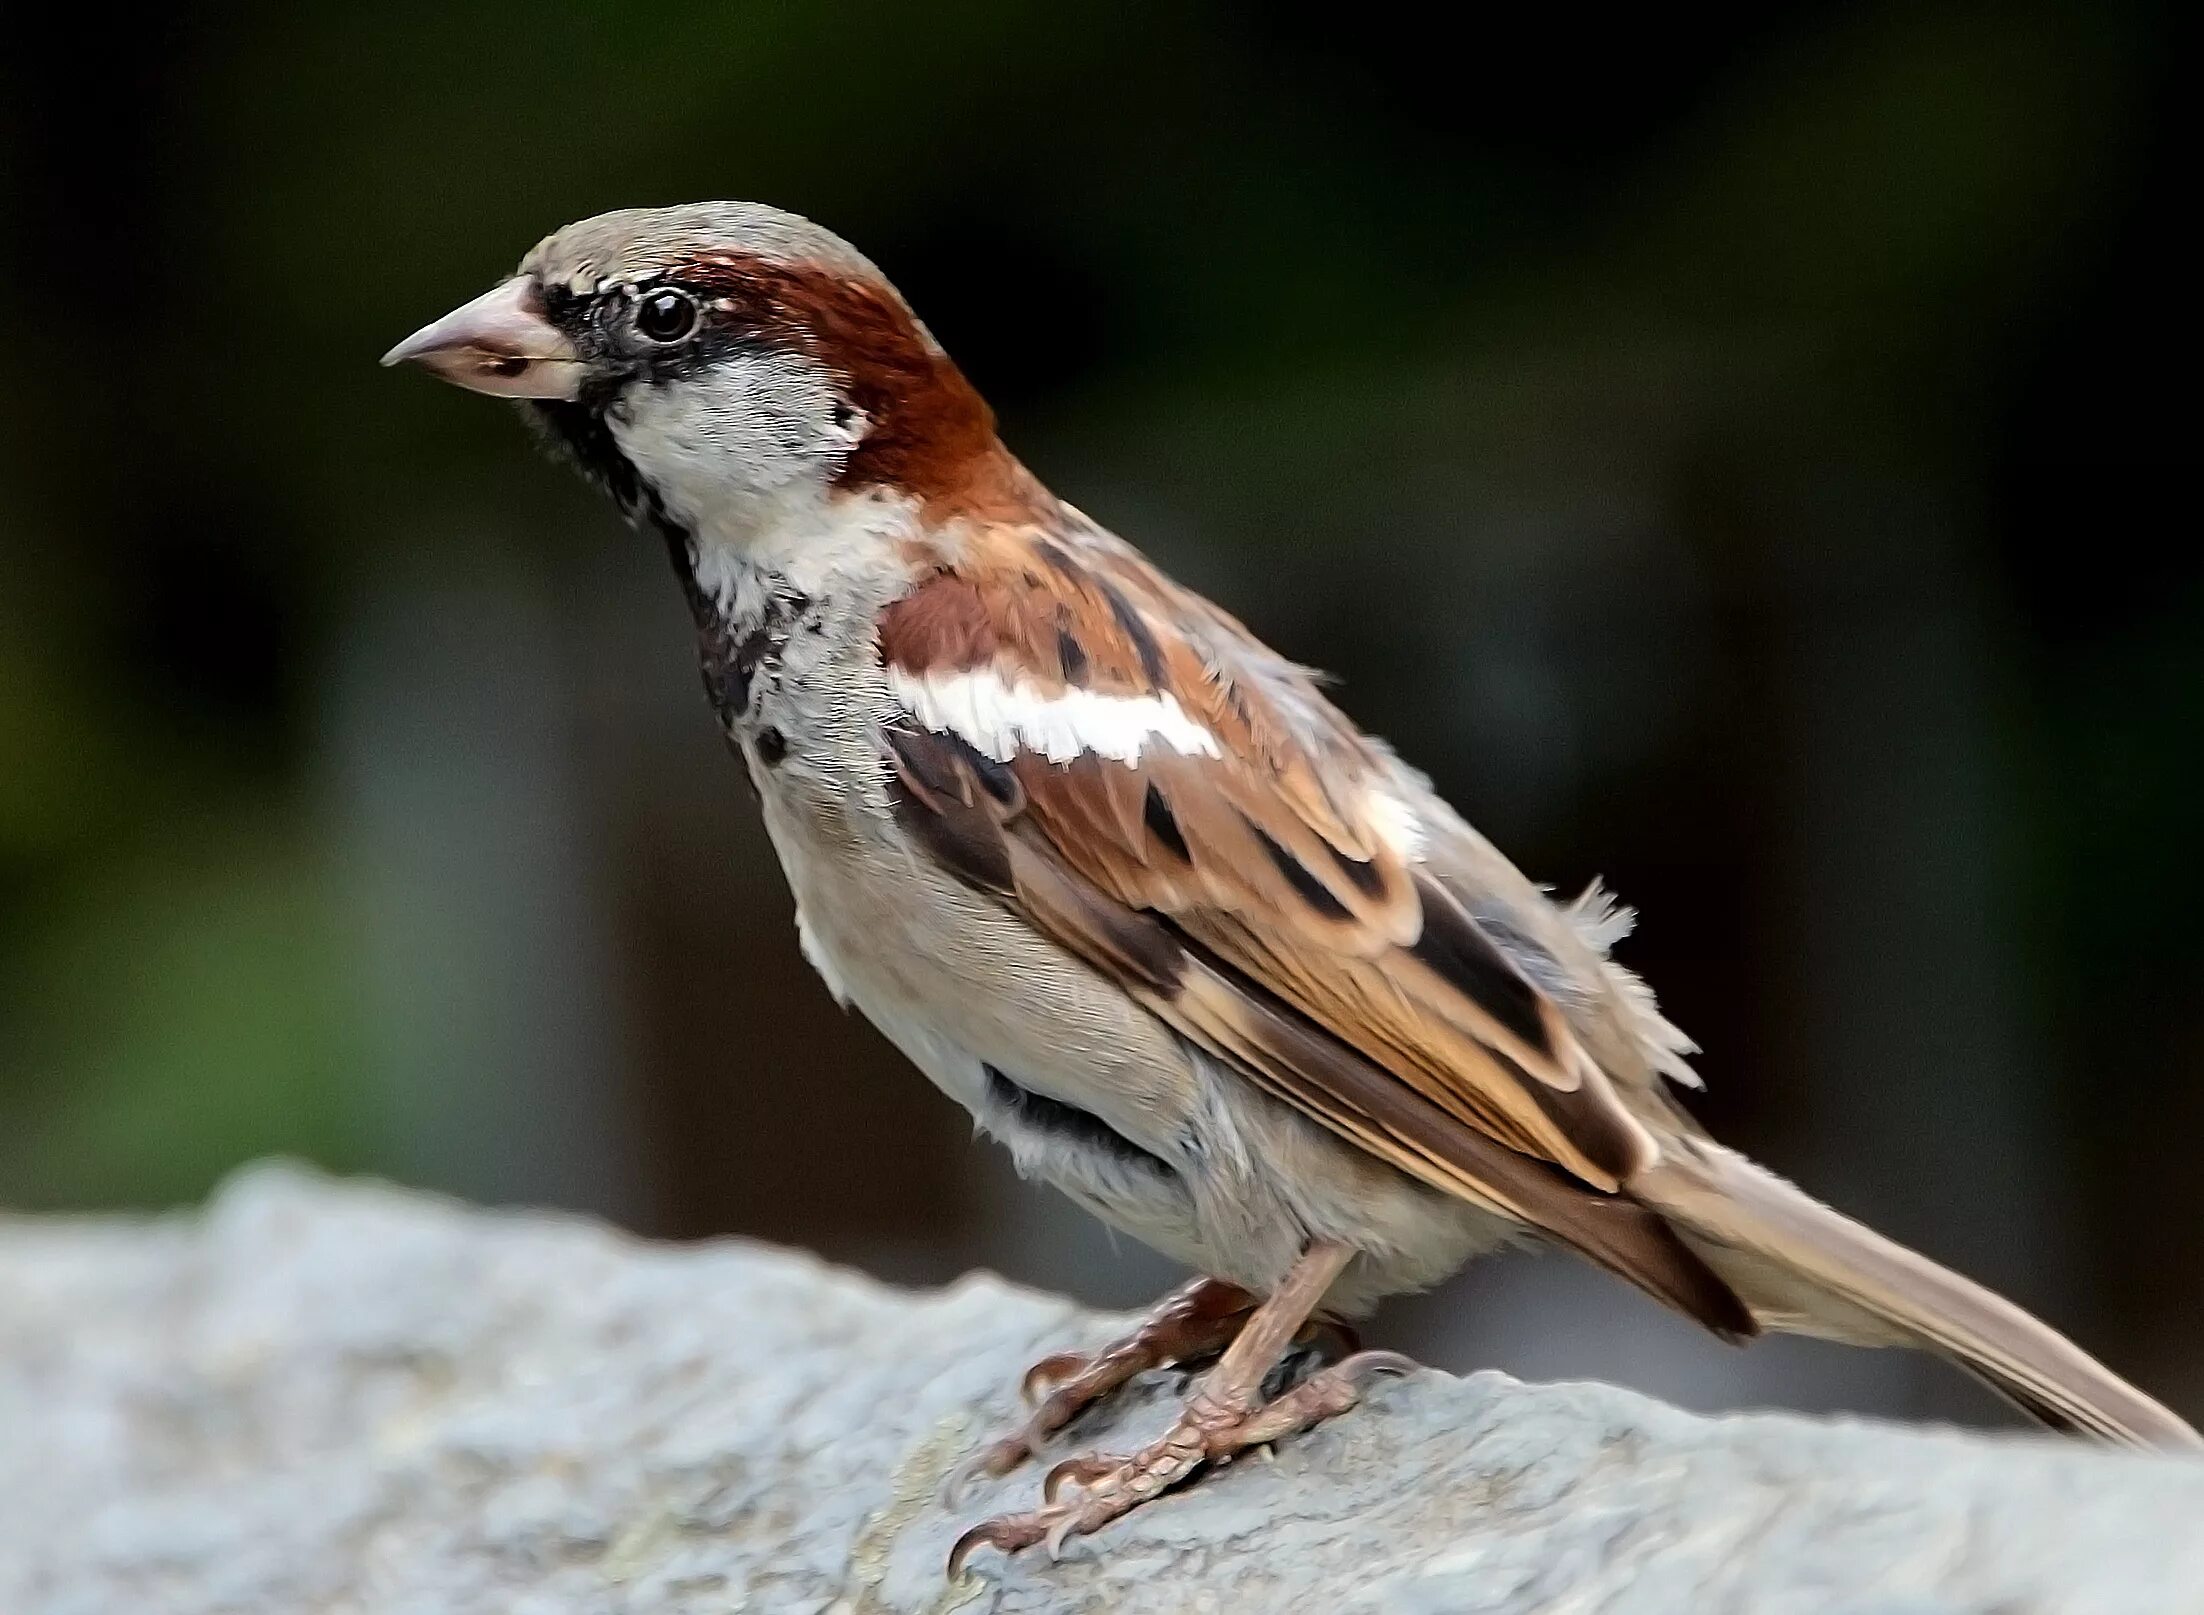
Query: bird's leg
{"points": [[1194, 1321], [1223, 1417]]}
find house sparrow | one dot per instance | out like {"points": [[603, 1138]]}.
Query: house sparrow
{"points": [[1126, 885]]}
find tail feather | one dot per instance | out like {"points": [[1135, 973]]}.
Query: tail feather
{"points": [[1807, 1269]]}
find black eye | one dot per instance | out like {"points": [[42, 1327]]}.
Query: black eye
{"points": [[666, 316]]}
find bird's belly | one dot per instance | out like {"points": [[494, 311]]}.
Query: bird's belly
{"points": [[1089, 1091]]}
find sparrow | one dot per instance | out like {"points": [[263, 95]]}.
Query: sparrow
{"points": [[1128, 887]]}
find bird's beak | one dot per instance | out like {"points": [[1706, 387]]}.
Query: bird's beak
{"points": [[500, 344]]}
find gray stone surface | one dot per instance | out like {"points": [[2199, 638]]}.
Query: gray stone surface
{"points": [[333, 1398]]}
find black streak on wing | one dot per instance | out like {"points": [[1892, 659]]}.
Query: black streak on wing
{"points": [[1451, 944], [1368, 878], [943, 762], [995, 778], [1071, 655], [1062, 564], [1135, 943], [1164, 825], [933, 803], [1592, 1127], [937, 793], [1136, 630], [1305, 885]]}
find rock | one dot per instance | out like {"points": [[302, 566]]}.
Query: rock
{"points": [[328, 1397]]}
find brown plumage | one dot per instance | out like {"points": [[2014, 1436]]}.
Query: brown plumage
{"points": [[1275, 862], [1252, 903], [1127, 884]]}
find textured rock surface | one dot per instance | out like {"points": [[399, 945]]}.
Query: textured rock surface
{"points": [[322, 1397]]}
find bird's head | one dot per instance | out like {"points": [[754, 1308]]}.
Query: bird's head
{"points": [[718, 367]]}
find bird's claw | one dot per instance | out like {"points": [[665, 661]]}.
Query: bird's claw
{"points": [[1209, 1431], [1006, 1533], [1082, 1471], [1189, 1324], [991, 1462], [1050, 1372], [1058, 1535]]}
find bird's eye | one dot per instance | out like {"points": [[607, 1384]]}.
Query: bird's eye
{"points": [[666, 316]]}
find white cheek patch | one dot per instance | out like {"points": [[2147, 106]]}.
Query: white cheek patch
{"points": [[723, 446], [999, 719]]}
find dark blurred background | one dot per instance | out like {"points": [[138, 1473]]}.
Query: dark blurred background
{"points": [[1745, 457]]}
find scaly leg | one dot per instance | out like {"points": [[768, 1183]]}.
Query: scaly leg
{"points": [[1225, 1416], [1193, 1321]]}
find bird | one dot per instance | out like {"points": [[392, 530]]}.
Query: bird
{"points": [[1124, 883]]}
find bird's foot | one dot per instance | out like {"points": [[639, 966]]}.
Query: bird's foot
{"points": [[1213, 1429], [1196, 1320]]}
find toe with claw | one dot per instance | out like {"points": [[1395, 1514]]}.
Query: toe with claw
{"points": [[1192, 1321], [1052, 1371], [1214, 1428]]}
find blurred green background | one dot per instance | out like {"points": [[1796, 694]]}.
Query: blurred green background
{"points": [[1744, 456]]}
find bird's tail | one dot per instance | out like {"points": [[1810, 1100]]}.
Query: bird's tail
{"points": [[1802, 1267]]}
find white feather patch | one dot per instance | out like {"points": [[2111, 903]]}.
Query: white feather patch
{"points": [[1396, 824], [1000, 719]]}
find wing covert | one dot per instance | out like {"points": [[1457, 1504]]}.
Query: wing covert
{"points": [[1074, 724]]}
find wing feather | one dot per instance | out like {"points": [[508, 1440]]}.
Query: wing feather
{"points": [[1257, 888]]}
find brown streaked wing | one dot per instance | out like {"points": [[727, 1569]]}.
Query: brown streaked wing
{"points": [[1274, 856], [943, 797]]}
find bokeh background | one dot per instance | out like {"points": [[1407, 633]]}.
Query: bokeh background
{"points": [[1747, 456]]}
